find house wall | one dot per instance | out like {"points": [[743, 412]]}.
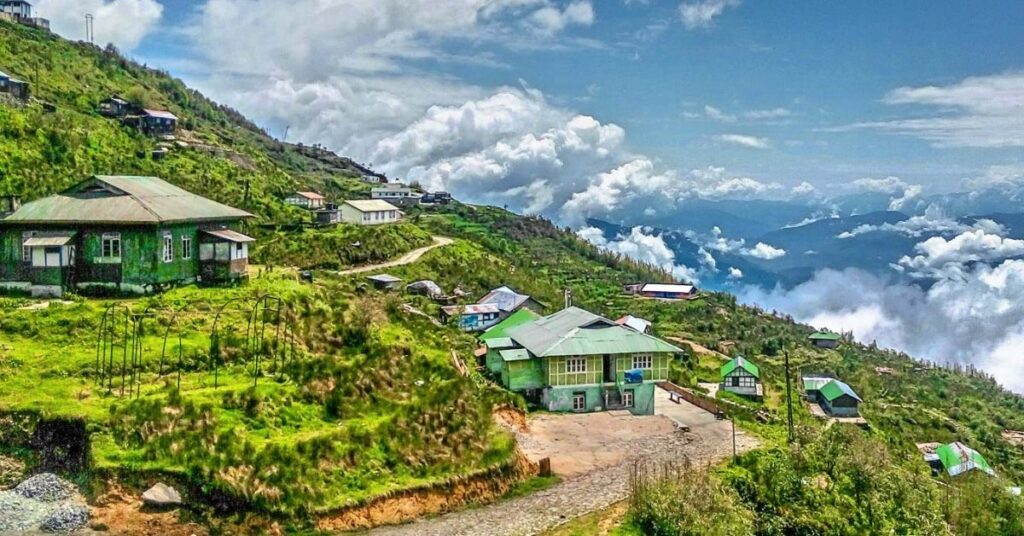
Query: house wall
{"points": [[727, 384], [520, 375], [843, 406], [823, 343], [561, 398], [493, 361], [657, 372], [554, 371]]}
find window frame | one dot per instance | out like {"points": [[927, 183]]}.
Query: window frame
{"points": [[26, 254], [186, 247], [575, 365], [110, 246], [579, 401], [640, 359], [628, 398], [168, 248]]}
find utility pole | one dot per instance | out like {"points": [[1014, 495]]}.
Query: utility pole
{"points": [[733, 438], [568, 298], [284, 138], [789, 399]]}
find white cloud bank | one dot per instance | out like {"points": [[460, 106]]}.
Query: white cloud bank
{"points": [[752, 142], [640, 244], [702, 13], [121, 22]]}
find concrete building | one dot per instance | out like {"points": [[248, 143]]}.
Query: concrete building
{"points": [[369, 212]]}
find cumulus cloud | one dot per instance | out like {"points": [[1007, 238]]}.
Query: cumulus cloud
{"points": [[975, 318], [717, 241], [952, 258], [933, 221], [702, 13], [735, 273], [742, 140], [550, 20], [982, 111], [718, 115], [902, 193], [764, 251], [640, 244], [125, 23]]}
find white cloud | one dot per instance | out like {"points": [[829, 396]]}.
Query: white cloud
{"points": [[888, 185], [933, 221], [803, 189], [121, 22], [764, 251], [702, 13], [983, 111], [735, 273], [549, 20], [1009, 177], [952, 258], [771, 113], [744, 141], [718, 115], [975, 318], [643, 246]]}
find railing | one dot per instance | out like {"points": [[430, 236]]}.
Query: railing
{"points": [[701, 402]]}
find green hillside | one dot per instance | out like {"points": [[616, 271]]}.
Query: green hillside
{"points": [[358, 397]]}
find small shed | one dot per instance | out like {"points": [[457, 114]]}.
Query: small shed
{"points": [[668, 292], [824, 339], [330, 214], [384, 281], [956, 459], [813, 385], [19, 88], [509, 301], [839, 399], [636, 324], [153, 122], [114, 107], [5, 79], [473, 317], [223, 255], [741, 377], [308, 200]]}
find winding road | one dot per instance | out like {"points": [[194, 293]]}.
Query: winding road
{"points": [[408, 258]]}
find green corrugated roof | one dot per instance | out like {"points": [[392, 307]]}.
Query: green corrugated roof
{"points": [[958, 458], [516, 354], [518, 318], [137, 200], [740, 362], [835, 389], [574, 331], [824, 336], [498, 343]]}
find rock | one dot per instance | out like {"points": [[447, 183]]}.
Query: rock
{"points": [[65, 518], [161, 495], [46, 487]]}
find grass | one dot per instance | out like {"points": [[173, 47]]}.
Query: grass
{"points": [[610, 521]]}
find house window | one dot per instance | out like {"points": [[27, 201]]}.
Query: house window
{"points": [[26, 254], [627, 398], [579, 401], [168, 248], [575, 364], [239, 250], [643, 361], [111, 245], [186, 247]]}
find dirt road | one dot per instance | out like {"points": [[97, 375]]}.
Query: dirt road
{"points": [[596, 453], [408, 258]]}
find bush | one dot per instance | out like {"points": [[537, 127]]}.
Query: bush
{"points": [[680, 500]]}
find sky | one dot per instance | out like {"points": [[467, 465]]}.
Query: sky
{"points": [[563, 107]]}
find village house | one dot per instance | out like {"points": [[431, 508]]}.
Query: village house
{"points": [[384, 281], [824, 339], [472, 317], [153, 122], [500, 330], [113, 234], [5, 80], [16, 88], [954, 459], [741, 377], [19, 9], [575, 360], [306, 200], [835, 397], [369, 212], [636, 324], [330, 214], [115, 107], [396, 193], [436, 198], [509, 301], [667, 292]]}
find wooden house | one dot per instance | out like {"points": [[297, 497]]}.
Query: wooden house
{"points": [[384, 281], [113, 234], [472, 317], [500, 331], [742, 377], [509, 301], [824, 339], [115, 107], [369, 212], [306, 200], [153, 122], [835, 397], [668, 292], [575, 360], [19, 89]]}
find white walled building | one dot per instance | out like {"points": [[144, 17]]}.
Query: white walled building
{"points": [[369, 212]]}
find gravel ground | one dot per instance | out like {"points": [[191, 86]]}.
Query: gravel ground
{"points": [[43, 502]]}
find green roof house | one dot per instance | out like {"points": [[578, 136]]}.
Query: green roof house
{"points": [[575, 360], [741, 377], [494, 339], [824, 339], [836, 397], [120, 235], [956, 459]]}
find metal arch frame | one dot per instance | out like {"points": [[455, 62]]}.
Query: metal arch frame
{"points": [[105, 345], [215, 335], [255, 347]]}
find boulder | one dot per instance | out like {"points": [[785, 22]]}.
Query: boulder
{"points": [[161, 495]]}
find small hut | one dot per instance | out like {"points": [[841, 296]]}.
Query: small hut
{"points": [[384, 281], [824, 339], [741, 377], [956, 459]]}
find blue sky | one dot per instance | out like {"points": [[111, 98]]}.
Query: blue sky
{"points": [[779, 93]]}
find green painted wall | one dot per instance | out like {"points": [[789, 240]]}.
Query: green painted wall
{"points": [[657, 372], [554, 371], [493, 361], [520, 375]]}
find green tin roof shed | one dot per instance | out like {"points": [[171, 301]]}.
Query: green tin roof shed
{"points": [[824, 336], [123, 200], [835, 389], [740, 363], [516, 319], [958, 458], [575, 332]]}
